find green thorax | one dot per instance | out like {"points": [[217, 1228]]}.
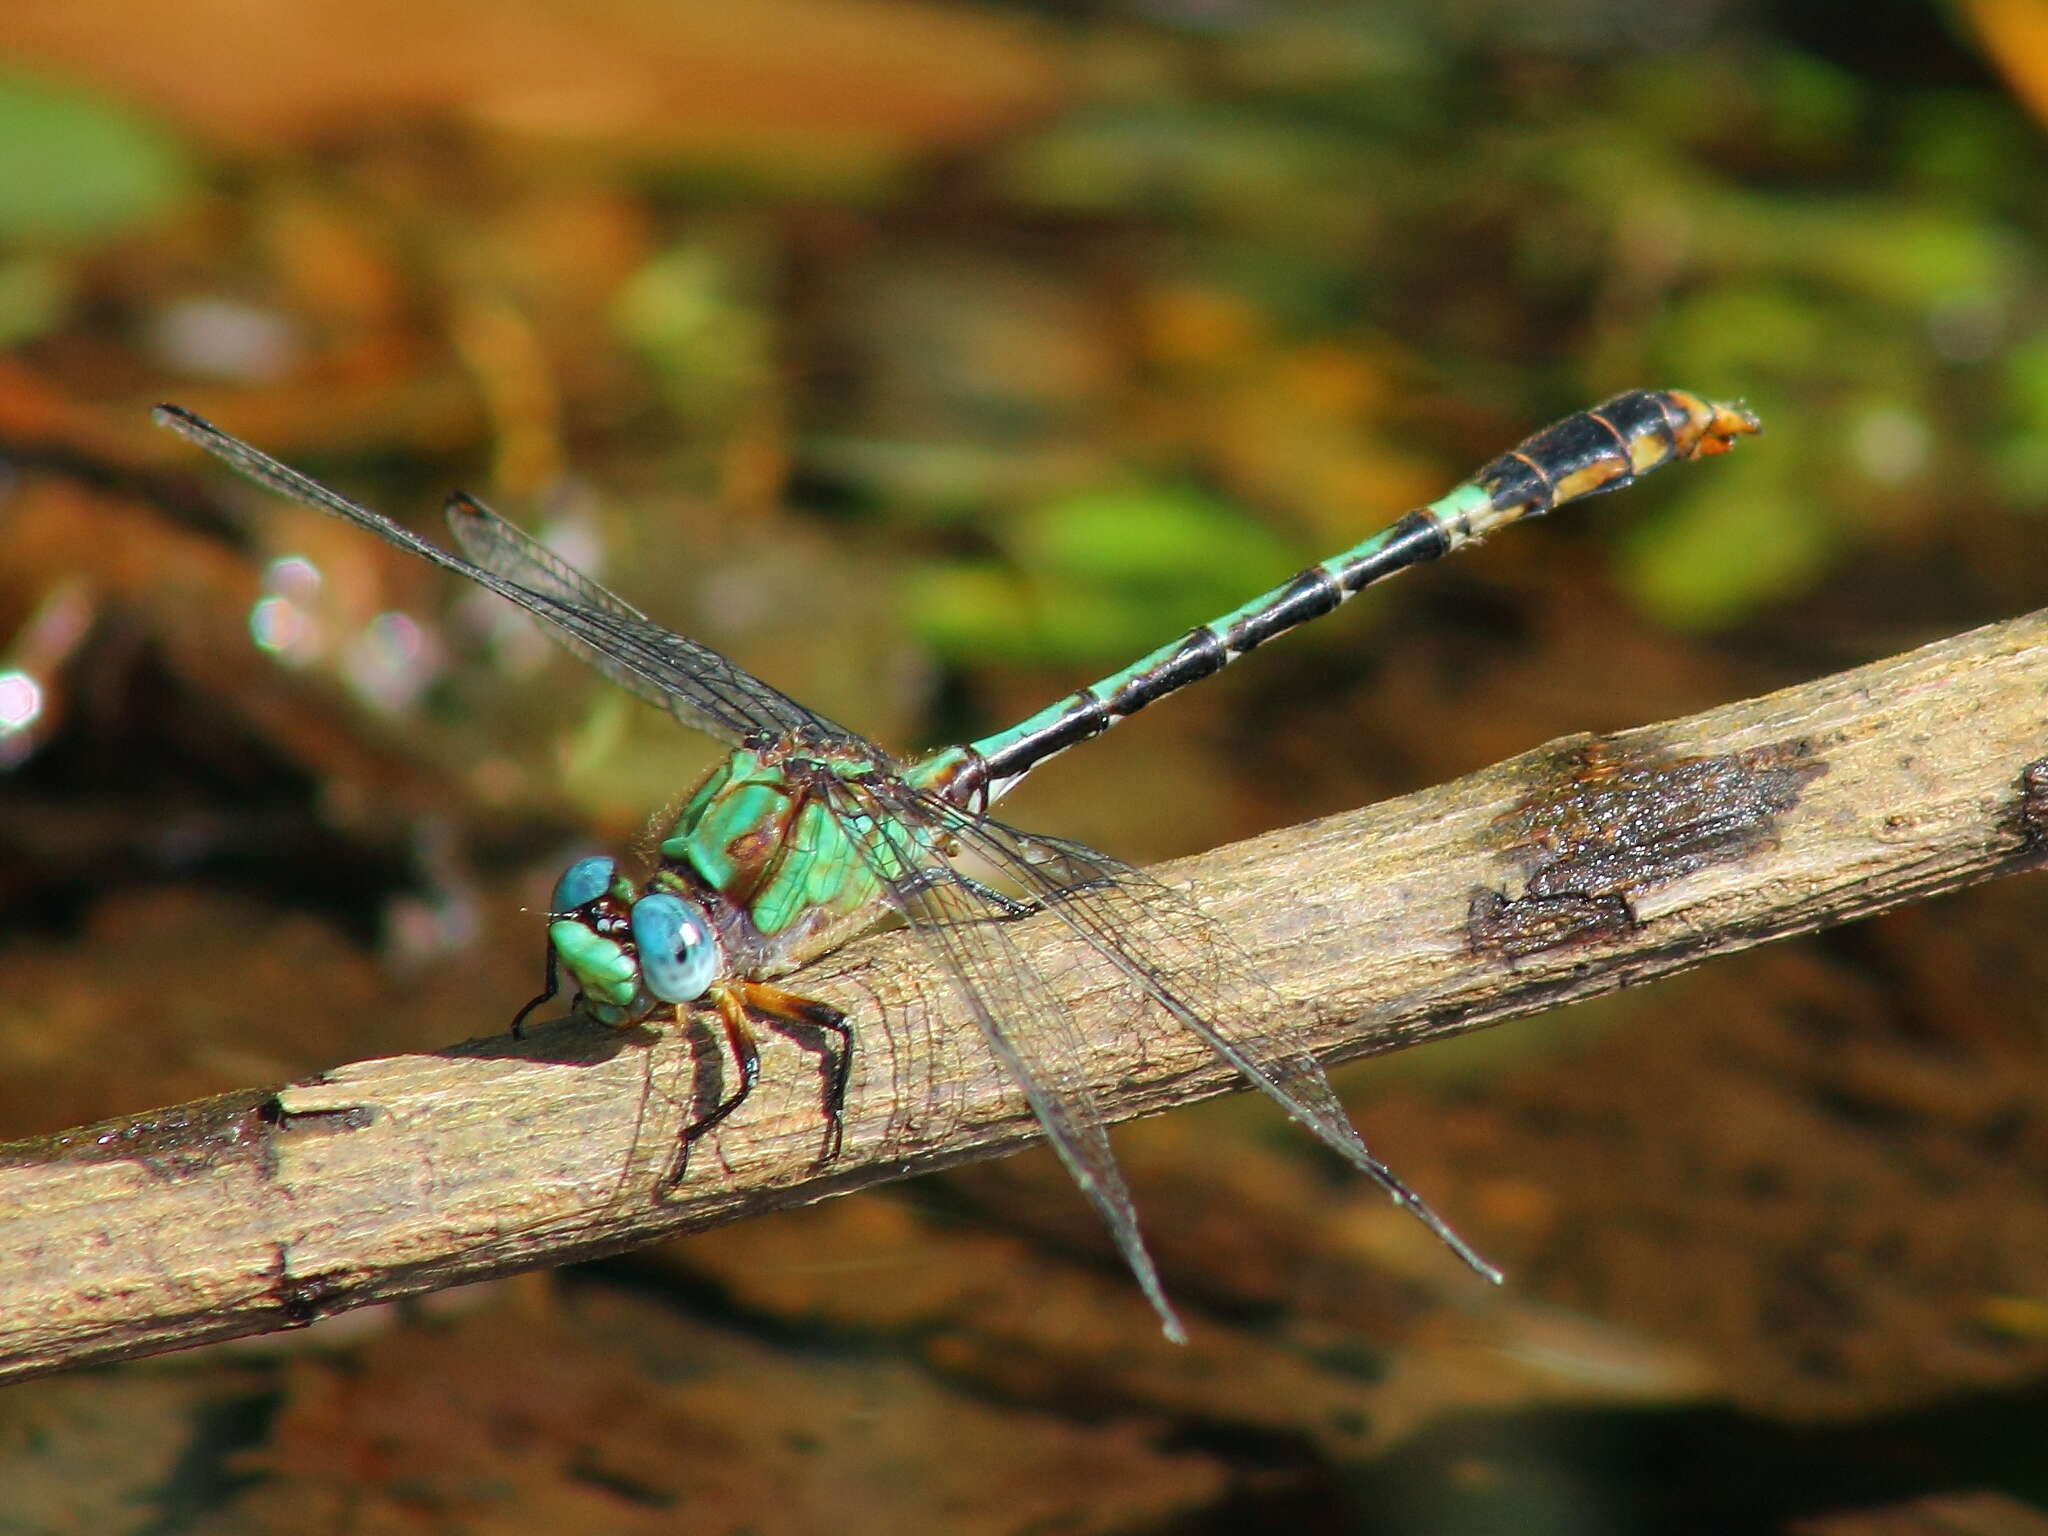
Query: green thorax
{"points": [[782, 834]]}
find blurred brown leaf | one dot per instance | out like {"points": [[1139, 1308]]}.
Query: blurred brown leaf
{"points": [[814, 85]]}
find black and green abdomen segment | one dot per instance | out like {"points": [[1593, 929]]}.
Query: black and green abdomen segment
{"points": [[1597, 450]]}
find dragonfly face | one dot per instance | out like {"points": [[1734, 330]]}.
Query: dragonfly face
{"points": [[630, 954], [635, 954]]}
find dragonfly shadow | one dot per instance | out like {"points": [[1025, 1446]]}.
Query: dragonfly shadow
{"points": [[693, 1054], [572, 1040], [569, 1041]]}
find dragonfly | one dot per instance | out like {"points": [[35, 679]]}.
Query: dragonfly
{"points": [[806, 833]]}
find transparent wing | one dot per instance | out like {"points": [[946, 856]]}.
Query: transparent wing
{"points": [[1164, 946], [1022, 1021], [692, 682]]}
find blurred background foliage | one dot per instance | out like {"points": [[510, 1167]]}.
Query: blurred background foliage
{"points": [[931, 359]]}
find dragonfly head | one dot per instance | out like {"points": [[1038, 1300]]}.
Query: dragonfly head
{"points": [[630, 953]]}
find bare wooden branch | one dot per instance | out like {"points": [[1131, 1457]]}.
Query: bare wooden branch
{"points": [[1572, 870]]}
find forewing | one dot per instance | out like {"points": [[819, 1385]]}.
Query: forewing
{"points": [[1164, 946], [692, 682], [1022, 1021]]}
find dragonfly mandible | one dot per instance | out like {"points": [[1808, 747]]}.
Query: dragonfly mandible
{"points": [[806, 833]]}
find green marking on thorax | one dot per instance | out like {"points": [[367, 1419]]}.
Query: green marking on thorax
{"points": [[820, 868], [732, 806], [735, 762], [808, 858]]}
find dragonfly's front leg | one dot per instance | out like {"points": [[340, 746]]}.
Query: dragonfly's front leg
{"points": [[554, 986], [780, 1009], [728, 999]]}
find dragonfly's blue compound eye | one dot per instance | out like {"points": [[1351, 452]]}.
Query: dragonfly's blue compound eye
{"points": [[678, 957], [582, 883]]}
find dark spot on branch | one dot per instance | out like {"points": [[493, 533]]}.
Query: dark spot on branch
{"points": [[176, 1143], [1528, 925], [2030, 816], [305, 1299], [1615, 819], [343, 1117]]}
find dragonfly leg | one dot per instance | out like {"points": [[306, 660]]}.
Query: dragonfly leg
{"points": [[554, 985], [779, 1009], [746, 1054]]}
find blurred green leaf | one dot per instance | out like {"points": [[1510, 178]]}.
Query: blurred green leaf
{"points": [[1339, 55], [2020, 461], [684, 312], [1164, 538], [2020, 464], [2026, 383], [35, 292], [1736, 331], [1749, 534], [1815, 106], [1788, 104], [1968, 146], [75, 166], [970, 611], [1100, 577], [1898, 251], [1190, 156]]}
